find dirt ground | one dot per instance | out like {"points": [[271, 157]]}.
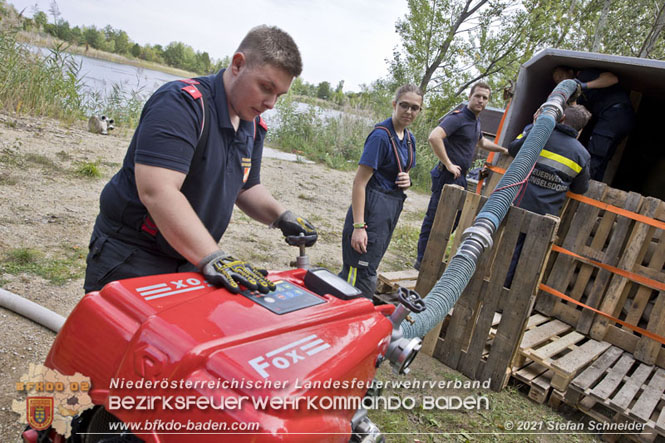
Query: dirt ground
{"points": [[47, 206]]}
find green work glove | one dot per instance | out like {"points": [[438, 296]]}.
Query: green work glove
{"points": [[292, 226], [221, 269]]}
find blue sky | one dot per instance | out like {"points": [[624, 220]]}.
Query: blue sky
{"points": [[339, 39]]}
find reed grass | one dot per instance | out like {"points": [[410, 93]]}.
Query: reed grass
{"points": [[51, 86]]}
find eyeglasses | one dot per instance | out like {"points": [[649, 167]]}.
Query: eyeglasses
{"points": [[405, 106]]}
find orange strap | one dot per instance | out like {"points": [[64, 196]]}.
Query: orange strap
{"points": [[495, 168], [590, 201], [651, 283], [626, 213], [644, 332]]}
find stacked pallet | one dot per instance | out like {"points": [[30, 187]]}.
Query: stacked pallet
{"points": [[616, 388], [551, 354], [609, 255], [614, 263]]}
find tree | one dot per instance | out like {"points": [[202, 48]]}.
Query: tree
{"points": [[323, 91], [622, 27], [55, 11], [40, 19], [93, 37], [652, 37], [429, 35], [136, 50], [447, 45]]}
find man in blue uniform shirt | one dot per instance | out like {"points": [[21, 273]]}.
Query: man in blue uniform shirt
{"points": [[563, 164], [454, 141], [613, 115], [195, 153]]}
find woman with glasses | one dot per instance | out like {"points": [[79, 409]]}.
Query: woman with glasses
{"points": [[378, 194]]}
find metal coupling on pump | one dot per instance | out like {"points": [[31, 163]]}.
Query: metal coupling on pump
{"points": [[401, 350]]}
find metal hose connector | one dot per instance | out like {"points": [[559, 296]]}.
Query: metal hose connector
{"points": [[478, 237]]}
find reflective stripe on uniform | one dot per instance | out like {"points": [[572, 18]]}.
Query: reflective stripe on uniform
{"points": [[559, 162], [351, 278]]}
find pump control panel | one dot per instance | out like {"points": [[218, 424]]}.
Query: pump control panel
{"points": [[286, 298]]}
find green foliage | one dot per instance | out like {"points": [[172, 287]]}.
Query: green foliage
{"points": [[323, 91], [447, 45], [59, 270], [122, 103], [405, 242], [335, 141], [88, 170], [36, 85]]}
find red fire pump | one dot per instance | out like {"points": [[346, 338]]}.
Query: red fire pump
{"points": [[172, 353]]}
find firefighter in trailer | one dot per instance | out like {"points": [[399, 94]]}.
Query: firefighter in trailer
{"points": [[378, 194], [454, 141], [613, 115], [195, 153], [563, 164]]}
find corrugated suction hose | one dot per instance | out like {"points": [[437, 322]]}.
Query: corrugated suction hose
{"points": [[478, 237]]}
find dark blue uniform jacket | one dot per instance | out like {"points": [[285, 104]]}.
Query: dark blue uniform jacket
{"points": [[563, 164]]}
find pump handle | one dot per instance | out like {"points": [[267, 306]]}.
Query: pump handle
{"points": [[411, 300]]}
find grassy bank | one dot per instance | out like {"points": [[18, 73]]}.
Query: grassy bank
{"points": [[48, 41], [50, 85]]}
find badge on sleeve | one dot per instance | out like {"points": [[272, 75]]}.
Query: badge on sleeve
{"points": [[246, 167]]}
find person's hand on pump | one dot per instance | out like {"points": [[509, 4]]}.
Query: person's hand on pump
{"points": [[292, 226], [221, 269], [359, 238], [403, 180]]}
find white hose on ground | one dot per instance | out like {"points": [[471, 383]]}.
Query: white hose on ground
{"points": [[31, 310]]}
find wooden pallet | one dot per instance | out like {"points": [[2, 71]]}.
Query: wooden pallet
{"points": [[634, 303], [391, 281], [621, 242], [465, 344], [618, 387], [594, 233], [551, 354]]}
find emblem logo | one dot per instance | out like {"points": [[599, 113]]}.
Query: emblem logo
{"points": [[288, 355], [40, 412]]}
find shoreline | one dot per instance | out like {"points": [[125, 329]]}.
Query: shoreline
{"points": [[48, 41]]}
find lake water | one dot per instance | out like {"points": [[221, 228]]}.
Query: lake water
{"points": [[101, 76]]}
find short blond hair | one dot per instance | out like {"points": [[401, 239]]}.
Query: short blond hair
{"points": [[270, 45]]}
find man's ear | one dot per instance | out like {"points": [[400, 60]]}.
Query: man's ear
{"points": [[238, 62]]}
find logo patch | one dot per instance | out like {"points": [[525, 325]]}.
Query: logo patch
{"points": [[40, 412], [172, 288], [288, 355]]}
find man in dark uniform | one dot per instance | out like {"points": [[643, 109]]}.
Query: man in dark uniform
{"points": [[563, 164], [613, 115], [195, 153], [454, 141]]}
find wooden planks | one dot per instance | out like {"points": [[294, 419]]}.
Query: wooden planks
{"points": [[551, 354], [391, 281], [465, 345], [620, 242], [617, 388]]}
